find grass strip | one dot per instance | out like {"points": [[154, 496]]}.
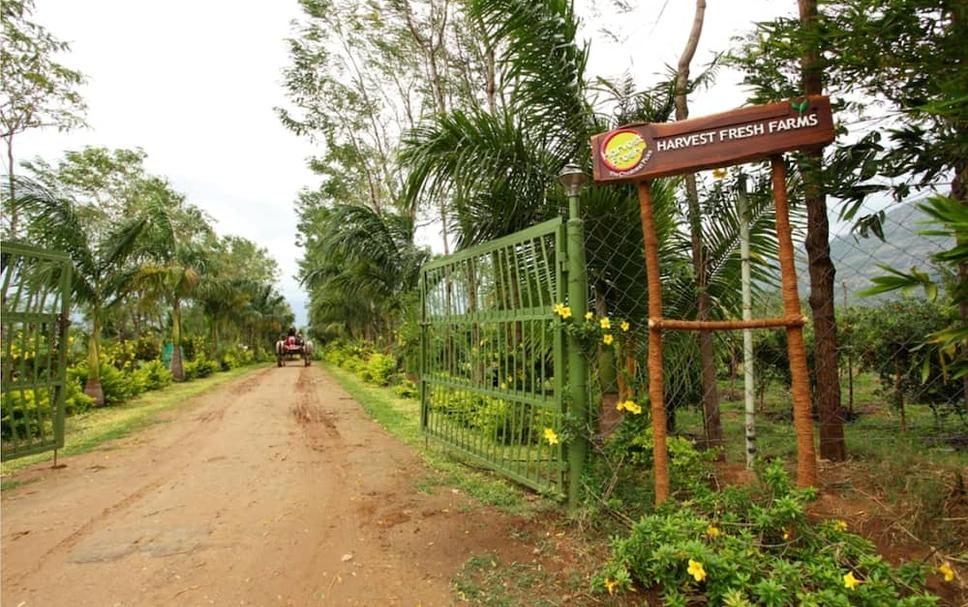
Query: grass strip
{"points": [[401, 418], [93, 428]]}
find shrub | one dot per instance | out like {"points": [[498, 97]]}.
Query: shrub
{"points": [[156, 375], [21, 412], [120, 354], [75, 401], [379, 369], [200, 367], [756, 546], [147, 347], [117, 385], [406, 389]]}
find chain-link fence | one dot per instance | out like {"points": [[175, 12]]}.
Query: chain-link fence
{"points": [[893, 388]]}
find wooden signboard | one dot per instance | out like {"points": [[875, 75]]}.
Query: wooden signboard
{"points": [[646, 151]]}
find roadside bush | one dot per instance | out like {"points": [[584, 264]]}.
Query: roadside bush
{"points": [[193, 347], [406, 389], [121, 354], [75, 401], [156, 375], [147, 347], [22, 410], [117, 385], [379, 369], [755, 546], [200, 367]]}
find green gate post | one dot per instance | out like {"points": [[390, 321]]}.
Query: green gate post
{"points": [[572, 178]]}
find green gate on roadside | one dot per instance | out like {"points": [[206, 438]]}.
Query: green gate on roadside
{"points": [[33, 349], [493, 359]]}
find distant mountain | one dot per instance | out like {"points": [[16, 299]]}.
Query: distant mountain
{"points": [[856, 259]]}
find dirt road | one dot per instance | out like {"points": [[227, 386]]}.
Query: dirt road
{"points": [[275, 489]]}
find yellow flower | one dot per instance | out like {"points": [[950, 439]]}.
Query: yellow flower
{"points": [[610, 585], [625, 326], [840, 525], [948, 573], [557, 308], [719, 173], [629, 406], [696, 570], [712, 531], [604, 323], [607, 339], [589, 315], [850, 581], [786, 535], [551, 436], [504, 385], [565, 312]]}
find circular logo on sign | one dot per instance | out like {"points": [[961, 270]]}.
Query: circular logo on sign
{"points": [[623, 150]]}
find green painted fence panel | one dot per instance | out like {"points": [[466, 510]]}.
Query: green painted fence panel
{"points": [[33, 349], [492, 359]]}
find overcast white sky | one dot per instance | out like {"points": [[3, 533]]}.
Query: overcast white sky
{"points": [[193, 83]]}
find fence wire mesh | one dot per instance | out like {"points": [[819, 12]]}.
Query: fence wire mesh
{"points": [[892, 388]]}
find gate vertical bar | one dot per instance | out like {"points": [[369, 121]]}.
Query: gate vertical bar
{"points": [[577, 366]]}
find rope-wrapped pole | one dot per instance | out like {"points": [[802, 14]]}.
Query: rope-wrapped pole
{"points": [[657, 404], [806, 454]]}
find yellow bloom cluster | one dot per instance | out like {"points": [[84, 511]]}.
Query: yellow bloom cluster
{"points": [[629, 406], [946, 571], [551, 436], [562, 310], [840, 525], [713, 531]]}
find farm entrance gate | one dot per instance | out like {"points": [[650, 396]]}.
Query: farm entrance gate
{"points": [[33, 354], [493, 366]]}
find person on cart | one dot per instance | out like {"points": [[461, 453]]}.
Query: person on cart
{"points": [[291, 341]]}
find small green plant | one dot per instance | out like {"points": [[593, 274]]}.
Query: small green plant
{"points": [[755, 546]]}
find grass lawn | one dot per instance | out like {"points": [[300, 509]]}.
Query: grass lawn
{"points": [[91, 429]]}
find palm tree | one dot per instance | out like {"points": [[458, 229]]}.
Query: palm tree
{"points": [[359, 264], [498, 169], [102, 273], [174, 255]]}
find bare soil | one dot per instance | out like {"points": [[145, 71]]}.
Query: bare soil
{"points": [[275, 489]]}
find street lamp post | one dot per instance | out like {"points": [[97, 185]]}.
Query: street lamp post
{"points": [[572, 178]]}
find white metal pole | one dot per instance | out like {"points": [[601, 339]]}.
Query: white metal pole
{"points": [[744, 235]]}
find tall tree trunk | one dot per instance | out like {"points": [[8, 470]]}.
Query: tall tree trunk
{"points": [[822, 271], [177, 370], [93, 385], [710, 395]]}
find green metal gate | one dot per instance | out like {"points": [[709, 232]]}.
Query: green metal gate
{"points": [[33, 349], [493, 366]]}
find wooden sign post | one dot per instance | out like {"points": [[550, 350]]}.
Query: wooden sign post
{"points": [[643, 152]]}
